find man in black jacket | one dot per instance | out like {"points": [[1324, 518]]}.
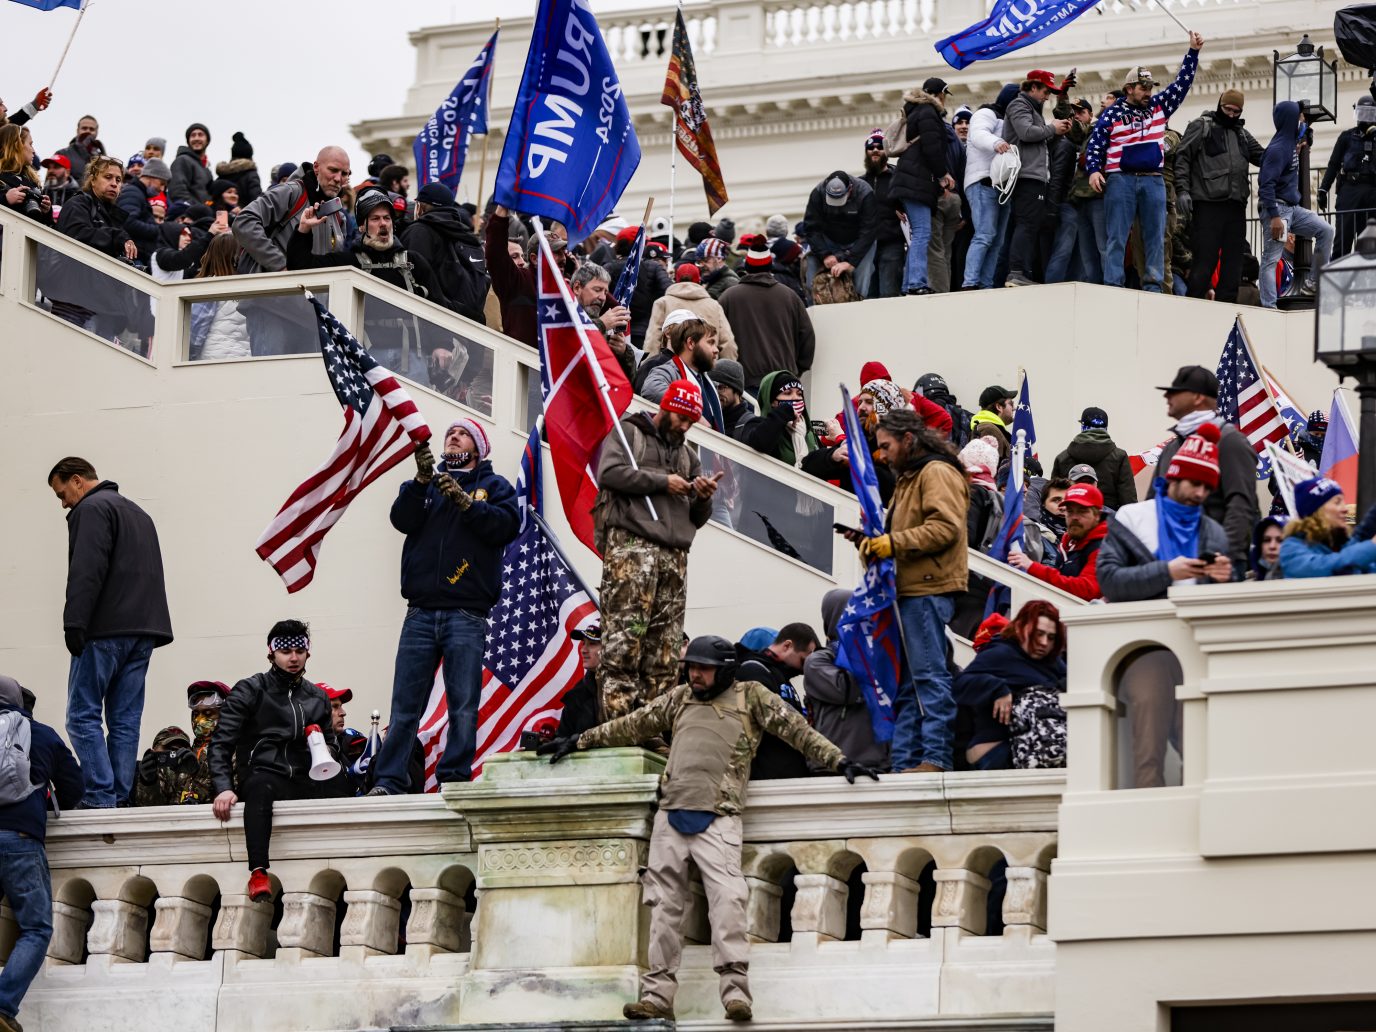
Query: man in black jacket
{"points": [[191, 175], [260, 743], [582, 705], [24, 878], [457, 526], [775, 668], [116, 615], [890, 248], [133, 201], [442, 234], [842, 223]]}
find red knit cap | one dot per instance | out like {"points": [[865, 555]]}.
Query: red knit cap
{"points": [[874, 371], [683, 397], [1197, 458]]}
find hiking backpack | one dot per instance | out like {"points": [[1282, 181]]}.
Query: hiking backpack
{"points": [[16, 740]]}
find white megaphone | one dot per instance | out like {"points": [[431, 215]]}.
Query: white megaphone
{"points": [[323, 765]]}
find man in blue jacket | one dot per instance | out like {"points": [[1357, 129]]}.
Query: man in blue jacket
{"points": [[457, 526], [1278, 201], [24, 878]]}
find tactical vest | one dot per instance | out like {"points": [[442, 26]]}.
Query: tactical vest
{"points": [[705, 736], [1359, 163], [401, 262]]}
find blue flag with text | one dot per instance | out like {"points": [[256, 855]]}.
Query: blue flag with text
{"points": [[571, 148], [1010, 26], [441, 147], [51, 5]]}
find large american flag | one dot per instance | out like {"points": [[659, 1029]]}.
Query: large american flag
{"points": [[381, 427], [1243, 399], [531, 659]]}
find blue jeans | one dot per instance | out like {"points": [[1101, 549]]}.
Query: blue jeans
{"points": [[1093, 239], [889, 263], [25, 882], [1128, 197], [457, 636], [107, 675], [1303, 223], [924, 712], [864, 270], [920, 222], [1063, 246], [990, 223]]}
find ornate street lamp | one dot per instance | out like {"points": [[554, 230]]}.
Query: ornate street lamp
{"points": [[1307, 79], [1345, 341]]}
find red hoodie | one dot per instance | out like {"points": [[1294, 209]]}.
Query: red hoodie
{"points": [[1082, 559]]}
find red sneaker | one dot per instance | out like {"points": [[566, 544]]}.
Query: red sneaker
{"points": [[259, 888]]}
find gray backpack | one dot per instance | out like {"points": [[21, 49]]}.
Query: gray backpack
{"points": [[16, 739]]}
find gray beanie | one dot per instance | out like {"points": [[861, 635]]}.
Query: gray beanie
{"points": [[156, 168], [726, 373], [11, 692], [776, 226], [157, 141], [726, 230]]}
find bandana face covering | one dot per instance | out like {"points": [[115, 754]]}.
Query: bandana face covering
{"points": [[290, 641], [202, 726]]}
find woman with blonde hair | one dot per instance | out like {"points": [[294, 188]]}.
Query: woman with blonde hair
{"points": [[17, 177]]}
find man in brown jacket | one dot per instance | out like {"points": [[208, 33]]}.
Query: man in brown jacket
{"points": [[927, 539]]}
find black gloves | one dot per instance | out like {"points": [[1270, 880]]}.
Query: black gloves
{"points": [[557, 748], [425, 462], [851, 770], [784, 410], [1323, 200], [148, 768], [76, 640]]}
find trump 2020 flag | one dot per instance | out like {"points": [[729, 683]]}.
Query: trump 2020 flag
{"points": [[869, 646], [52, 5], [570, 149], [1010, 26], [441, 147]]}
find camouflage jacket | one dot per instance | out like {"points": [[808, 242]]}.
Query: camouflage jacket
{"points": [[764, 712], [169, 786]]}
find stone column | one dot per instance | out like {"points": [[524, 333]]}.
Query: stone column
{"points": [[762, 909], [961, 897], [439, 923], [1024, 904], [180, 928], [890, 907], [560, 926], [68, 944], [819, 909], [371, 923], [307, 926], [243, 926], [119, 930]]}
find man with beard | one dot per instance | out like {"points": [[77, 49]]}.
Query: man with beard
{"points": [[592, 289], [191, 175], [890, 249], [650, 503], [691, 354], [442, 234], [1085, 530]]}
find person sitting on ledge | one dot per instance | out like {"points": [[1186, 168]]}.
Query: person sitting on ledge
{"points": [[717, 723], [263, 727], [1318, 544]]}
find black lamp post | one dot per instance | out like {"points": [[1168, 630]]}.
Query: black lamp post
{"points": [[1345, 341], [1304, 77]]}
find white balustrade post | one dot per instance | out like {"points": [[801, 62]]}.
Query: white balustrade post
{"points": [[180, 928], [762, 910], [119, 931], [1024, 904], [243, 926], [439, 923], [307, 926], [371, 923], [961, 897], [889, 910], [819, 908], [68, 944]]}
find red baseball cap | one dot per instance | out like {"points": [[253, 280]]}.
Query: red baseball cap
{"points": [[336, 694], [1086, 495], [683, 397], [58, 159], [1043, 78]]}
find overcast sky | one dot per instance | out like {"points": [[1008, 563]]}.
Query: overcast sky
{"points": [[290, 74]]}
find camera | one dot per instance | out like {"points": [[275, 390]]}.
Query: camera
{"points": [[33, 201], [182, 761]]}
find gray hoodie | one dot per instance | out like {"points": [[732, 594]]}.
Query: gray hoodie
{"points": [[834, 699], [1025, 125]]}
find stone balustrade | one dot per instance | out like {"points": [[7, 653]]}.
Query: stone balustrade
{"points": [[518, 896]]}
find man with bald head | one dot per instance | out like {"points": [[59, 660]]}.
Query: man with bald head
{"points": [[299, 224]]}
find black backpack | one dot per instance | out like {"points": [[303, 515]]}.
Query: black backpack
{"points": [[642, 373]]}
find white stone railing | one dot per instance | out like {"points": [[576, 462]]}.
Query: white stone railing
{"points": [[797, 23], [375, 918]]}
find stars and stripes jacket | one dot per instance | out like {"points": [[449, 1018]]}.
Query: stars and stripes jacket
{"points": [[1128, 138]]}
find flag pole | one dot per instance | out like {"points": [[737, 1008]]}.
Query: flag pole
{"points": [[604, 389], [71, 36], [645, 219], [482, 169], [673, 175]]}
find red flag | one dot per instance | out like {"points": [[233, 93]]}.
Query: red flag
{"points": [[574, 365], [691, 132]]}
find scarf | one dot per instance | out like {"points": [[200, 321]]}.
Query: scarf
{"points": [[1177, 526], [1192, 422], [1216, 143], [711, 401]]}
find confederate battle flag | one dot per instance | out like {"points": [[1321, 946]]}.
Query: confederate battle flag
{"points": [[691, 130]]}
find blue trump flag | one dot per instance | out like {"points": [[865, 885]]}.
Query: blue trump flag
{"points": [[869, 645], [630, 272], [570, 149], [1010, 26], [441, 147], [51, 5], [1022, 417], [1010, 533]]}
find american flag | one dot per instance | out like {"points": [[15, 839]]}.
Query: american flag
{"points": [[381, 427], [630, 272], [576, 365], [1243, 399], [531, 659]]}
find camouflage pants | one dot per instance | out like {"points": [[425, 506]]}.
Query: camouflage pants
{"points": [[643, 597]]}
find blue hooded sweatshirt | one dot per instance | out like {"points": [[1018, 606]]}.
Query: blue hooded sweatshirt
{"points": [[1280, 166]]}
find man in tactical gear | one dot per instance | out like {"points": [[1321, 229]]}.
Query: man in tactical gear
{"points": [[1353, 165], [717, 723]]}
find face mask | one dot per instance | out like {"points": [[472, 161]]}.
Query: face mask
{"points": [[457, 459], [201, 727], [798, 405]]}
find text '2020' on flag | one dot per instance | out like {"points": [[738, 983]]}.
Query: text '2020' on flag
{"points": [[575, 366], [441, 147], [870, 647], [692, 134], [531, 659], [571, 148], [381, 427], [1010, 26]]}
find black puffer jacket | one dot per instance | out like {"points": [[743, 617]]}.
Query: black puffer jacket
{"points": [[890, 228], [922, 166], [8, 181], [94, 222], [263, 727]]}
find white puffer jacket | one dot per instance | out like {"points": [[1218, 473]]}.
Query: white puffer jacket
{"points": [[986, 133], [228, 334]]}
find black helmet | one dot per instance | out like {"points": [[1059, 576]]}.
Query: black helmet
{"points": [[931, 384], [710, 650], [369, 200]]}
